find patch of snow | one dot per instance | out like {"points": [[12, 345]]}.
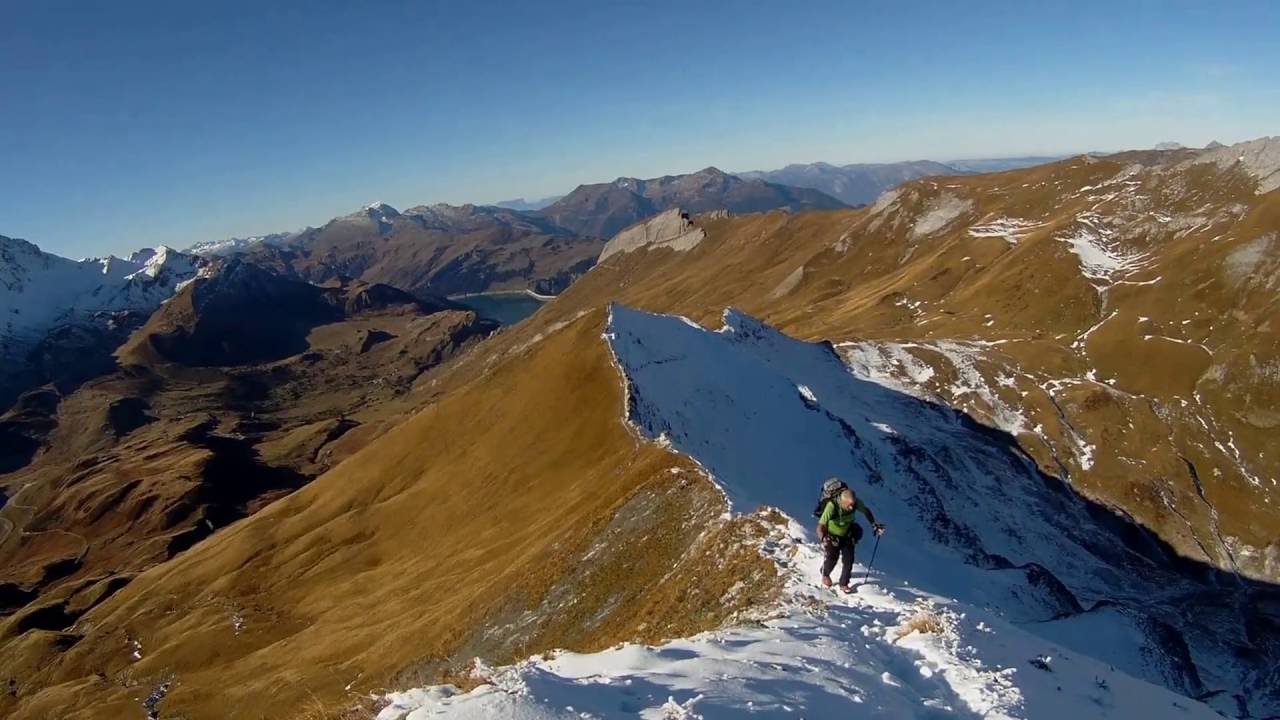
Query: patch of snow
{"points": [[807, 394], [1078, 343], [1010, 229], [1101, 257], [886, 363]]}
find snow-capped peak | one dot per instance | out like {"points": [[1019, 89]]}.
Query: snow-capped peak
{"points": [[112, 264], [39, 290], [142, 256], [166, 258], [377, 211]]}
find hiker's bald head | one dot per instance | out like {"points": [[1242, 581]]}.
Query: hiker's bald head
{"points": [[846, 499]]}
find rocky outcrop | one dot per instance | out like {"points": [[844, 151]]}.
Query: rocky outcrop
{"points": [[671, 229], [1260, 158]]}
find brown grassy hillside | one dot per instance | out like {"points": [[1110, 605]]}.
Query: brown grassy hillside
{"points": [[459, 533], [136, 467]]}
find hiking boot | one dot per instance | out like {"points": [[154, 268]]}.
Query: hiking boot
{"points": [[846, 589], [826, 581]]}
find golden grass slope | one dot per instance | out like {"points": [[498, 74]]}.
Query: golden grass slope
{"points": [[462, 532]]}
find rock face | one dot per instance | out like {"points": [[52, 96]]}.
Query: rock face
{"points": [[604, 209], [1260, 158], [670, 229]]}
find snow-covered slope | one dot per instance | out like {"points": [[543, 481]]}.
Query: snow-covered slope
{"points": [[39, 290], [859, 657], [1036, 603]]}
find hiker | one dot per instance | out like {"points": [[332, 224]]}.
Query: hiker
{"points": [[838, 533]]}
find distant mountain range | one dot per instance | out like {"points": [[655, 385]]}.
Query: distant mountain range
{"points": [[63, 318], [60, 313], [856, 184], [602, 209], [245, 314], [861, 183], [431, 250], [527, 205]]}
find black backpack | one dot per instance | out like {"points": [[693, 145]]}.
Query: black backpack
{"points": [[830, 490]]}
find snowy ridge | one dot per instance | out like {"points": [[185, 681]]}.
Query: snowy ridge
{"points": [[860, 654], [39, 290], [377, 211], [231, 246], [1044, 612]]}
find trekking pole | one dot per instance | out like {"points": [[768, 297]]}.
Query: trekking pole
{"points": [[873, 560]]}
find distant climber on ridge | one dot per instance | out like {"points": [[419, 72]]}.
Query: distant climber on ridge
{"points": [[837, 531]]}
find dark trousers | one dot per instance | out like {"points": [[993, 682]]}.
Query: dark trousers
{"points": [[838, 548]]}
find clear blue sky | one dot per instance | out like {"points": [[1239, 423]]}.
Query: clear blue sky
{"points": [[131, 123]]}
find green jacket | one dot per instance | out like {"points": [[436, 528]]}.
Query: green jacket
{"points": [[839, 521]]}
